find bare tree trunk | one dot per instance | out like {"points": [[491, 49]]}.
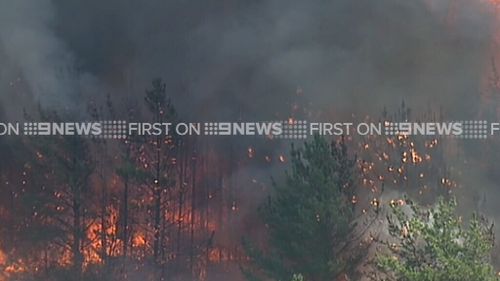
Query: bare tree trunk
{"points": [[193, 206], [77, 235], [157, 202], [103, 218], [157, 223], [125, 216], [180, 211]]}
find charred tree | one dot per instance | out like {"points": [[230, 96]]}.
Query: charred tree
{"points": [[160, 153]]}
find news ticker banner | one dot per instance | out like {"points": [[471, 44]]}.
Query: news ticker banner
{"points": [[285, 129]]}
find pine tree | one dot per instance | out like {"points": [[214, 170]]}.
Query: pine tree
{"points": [[310, 215], [63, 167], [159, 156]]}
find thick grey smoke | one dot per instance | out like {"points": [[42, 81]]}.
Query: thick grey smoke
{"points": [[234, 58], [230, 58], [35, 58]]}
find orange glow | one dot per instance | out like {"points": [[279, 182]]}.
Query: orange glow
{"points": [[139, 240], [92, 254], [3, 258], [493, 2]]}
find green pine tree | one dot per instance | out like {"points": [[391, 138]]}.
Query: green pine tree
{"points": [[310, 215]]}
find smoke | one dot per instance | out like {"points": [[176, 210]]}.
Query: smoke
{"points": [[231, 59], [33, 55]]}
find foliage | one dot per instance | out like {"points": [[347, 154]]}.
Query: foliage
{"points": [[310, 216], [434, 245]]}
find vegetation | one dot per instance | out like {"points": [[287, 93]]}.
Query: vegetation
{"points": [[436, 245], [309, 216]]}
